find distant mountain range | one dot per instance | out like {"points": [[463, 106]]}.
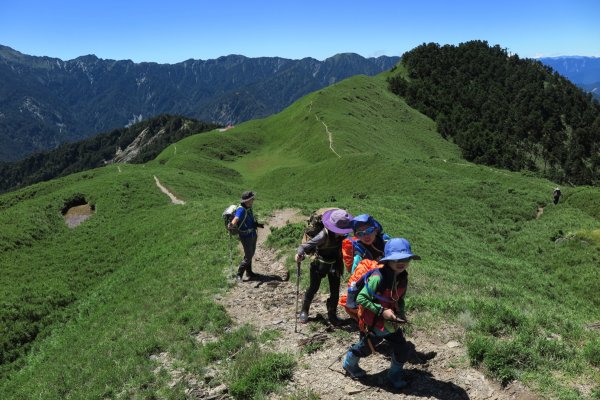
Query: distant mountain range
{"points": [[582, 71], [46, 101]]}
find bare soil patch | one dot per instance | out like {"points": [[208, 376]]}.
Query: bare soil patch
{"points": [[76, 215]]}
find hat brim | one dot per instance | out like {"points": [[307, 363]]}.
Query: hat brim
{"points": [[400, 257], [330, 227], [245, 200]]}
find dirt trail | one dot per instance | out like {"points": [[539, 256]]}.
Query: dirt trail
{"points": [[166, 191], [329, 134], [270, 304]]}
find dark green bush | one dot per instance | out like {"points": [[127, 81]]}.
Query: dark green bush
{"points": [[477, 347], [228, 344], [501, 321], [591, 352], [288, 235], [255, 372]]}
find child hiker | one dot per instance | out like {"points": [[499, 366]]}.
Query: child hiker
{"points": [[381, 312], [367, 243], [328, 261]]}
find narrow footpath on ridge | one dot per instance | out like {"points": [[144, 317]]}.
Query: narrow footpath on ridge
{"points": [[166, 191], [329, 134], [270, 303]]}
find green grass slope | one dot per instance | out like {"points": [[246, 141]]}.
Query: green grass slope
{"points": [[83, 310]]}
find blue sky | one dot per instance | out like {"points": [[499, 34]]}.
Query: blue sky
{"points": [[176, 30]]}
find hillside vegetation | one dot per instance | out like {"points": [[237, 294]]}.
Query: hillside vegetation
{"points": [[138, 143], [505, 111], [84, 309]]}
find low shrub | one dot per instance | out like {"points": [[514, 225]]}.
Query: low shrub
{"points": [[228, 344], [255, 373], [288, 235], [591, 352]]}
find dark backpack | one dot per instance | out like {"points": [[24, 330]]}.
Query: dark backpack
{"points": [[314, 225]]}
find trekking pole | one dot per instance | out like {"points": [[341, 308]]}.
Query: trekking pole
{"points": [[298, 264], [230, 255]]}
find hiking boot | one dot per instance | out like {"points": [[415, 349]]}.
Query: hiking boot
{"points": [[332, 314], [395, 375], [351, 367], [333, 319], [303, 317]]}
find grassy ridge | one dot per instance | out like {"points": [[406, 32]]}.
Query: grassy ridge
{"points": [[139, 276]]}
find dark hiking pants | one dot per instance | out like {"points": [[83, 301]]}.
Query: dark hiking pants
{"points": [[400, 347], [249, 245], [318, 271]]}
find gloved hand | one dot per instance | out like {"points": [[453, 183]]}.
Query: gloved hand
{"points": [[299, 257]]}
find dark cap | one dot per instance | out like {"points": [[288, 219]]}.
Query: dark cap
{"points": [[247, 196]]}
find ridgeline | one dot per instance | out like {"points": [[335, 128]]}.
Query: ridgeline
{"points": [[504, 111], [87, 311]]}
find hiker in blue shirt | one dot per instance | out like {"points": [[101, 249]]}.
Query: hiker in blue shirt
{"points": [[246, 225]]}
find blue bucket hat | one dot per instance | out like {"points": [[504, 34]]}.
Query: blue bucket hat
{"points": [[365, 219], [398, 249]]}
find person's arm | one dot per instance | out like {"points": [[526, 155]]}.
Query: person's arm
{"points": [[309, 246], [239, 212], [365, 297]]}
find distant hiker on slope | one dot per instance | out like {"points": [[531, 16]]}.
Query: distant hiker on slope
{"points": [[367, 243], [328, 261], [381, 311], [556, 195], [246, 224]]}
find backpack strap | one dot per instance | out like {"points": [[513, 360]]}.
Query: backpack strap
{"points": [[357, 247], [243, 219]]}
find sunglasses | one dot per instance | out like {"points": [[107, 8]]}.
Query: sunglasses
{"points": [[367, 231], [403, 261]]}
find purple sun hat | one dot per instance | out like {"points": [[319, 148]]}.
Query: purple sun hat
{"points": [[337, 221]]}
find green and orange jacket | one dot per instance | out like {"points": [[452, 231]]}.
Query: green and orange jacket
{"points": [[384, 289]]}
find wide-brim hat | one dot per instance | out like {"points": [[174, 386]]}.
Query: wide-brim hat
{"points": [[363, 219], [337, 221], [397, 249], [247, 196]]}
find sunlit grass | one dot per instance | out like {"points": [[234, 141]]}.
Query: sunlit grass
{"points": [[85, 309]]}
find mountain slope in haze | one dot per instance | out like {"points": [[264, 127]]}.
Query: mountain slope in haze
{"points": [[593, 88], [91, 312], [138, 143], [578, 69], [582, 71], [47, 101]]}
